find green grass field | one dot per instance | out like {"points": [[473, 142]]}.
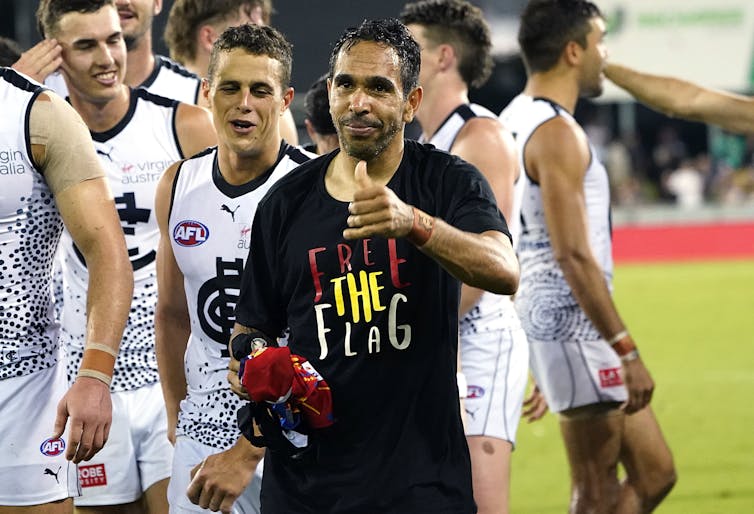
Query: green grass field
{"points": [[694, 324]]}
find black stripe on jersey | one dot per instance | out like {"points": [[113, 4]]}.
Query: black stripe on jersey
{"points": [[27, 127], [465, 112], [175, 184], [175, 133], [555, 106], [102, 137], [160, 61], [155, 99], [295, 154], [14, 78]]}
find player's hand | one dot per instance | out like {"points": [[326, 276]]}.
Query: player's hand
{"points": [[90, 408], [376, 210], [40, 60], [221, 478], [639, 384], [535, 406], [236, 386]]}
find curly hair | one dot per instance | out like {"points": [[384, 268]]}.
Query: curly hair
{"points": [[186, 16], [389, 32], [547, 26], [461, 25], [317, 107], [257, 40]]}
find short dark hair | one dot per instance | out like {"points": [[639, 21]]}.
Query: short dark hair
{"points": [[257, 40], [49, 12], [389, 32], [461, 25], [10, 52], [547, 26], [186, 16], [317, 107]]}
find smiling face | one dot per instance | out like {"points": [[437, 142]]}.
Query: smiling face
{"points": [[93, 54], [367, 101], [247, 99], [136, 18]]}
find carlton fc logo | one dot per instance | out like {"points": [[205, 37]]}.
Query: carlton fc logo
{"points": [[52, 447], [190, 233]]}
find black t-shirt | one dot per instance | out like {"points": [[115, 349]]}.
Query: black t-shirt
{"points": [[379, 320]]}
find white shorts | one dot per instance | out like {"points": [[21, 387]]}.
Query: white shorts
{"points": [[189, 453], [137, 453], [574, 374], [33, 468], [496, 365]]}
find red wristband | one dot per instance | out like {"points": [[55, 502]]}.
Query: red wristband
{"points": [[624, 345], [421, 230]]}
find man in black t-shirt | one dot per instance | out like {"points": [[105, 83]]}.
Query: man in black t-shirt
{"points": [[361, 254]]}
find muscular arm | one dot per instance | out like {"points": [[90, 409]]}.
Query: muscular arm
{"points": [[683, 99], [87, 208], [560, 168], [499, 166], [194, 128], [172, 325], [485, 260]]}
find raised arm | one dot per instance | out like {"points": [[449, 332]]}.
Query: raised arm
{"points": [[71, 168], [485, 260], [499, 166], [683, 99], [560, 169], [172, 324]]}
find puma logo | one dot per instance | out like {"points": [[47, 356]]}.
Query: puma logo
{"points": [[52, 473], [232, 213]]}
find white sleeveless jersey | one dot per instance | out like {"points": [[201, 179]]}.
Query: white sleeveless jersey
{"points": [[168, 79], [491, 309], [548, 309], [134, 153], [210, 227], [30, 228]]}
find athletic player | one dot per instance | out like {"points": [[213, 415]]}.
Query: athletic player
{"points": [[204, 207], [361, 253], [194, 25], [137, 136], [455, 47], [45, 151], [582, 355], [683, 99], [155, 73]]}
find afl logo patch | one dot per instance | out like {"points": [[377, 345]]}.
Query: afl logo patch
{"points": [[190, 233], [52, 447], [475, 392]]}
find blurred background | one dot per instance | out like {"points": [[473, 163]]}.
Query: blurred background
{"points": [[651, 159]]}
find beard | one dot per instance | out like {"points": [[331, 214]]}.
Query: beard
{"points": [[367, 149]]}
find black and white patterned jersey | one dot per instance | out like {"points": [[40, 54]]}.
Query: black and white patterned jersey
{"points": [[134, 154], [30, 227], [210, 228], [168, 79], [546, 306], [491, 310]]}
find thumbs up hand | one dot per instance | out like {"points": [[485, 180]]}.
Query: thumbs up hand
{"points": [[376, 210]]}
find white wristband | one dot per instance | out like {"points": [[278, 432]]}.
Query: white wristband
{"points": [[463, 387]]}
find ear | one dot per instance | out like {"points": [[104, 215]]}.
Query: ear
{"points": [[446, 57], [206, 35], [412, 104], [572, 53], [287, 99], [157, 7], [205, 92], [310, 129]]}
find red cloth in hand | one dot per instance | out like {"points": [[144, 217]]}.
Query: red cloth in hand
{"points": [[275, 375]]}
